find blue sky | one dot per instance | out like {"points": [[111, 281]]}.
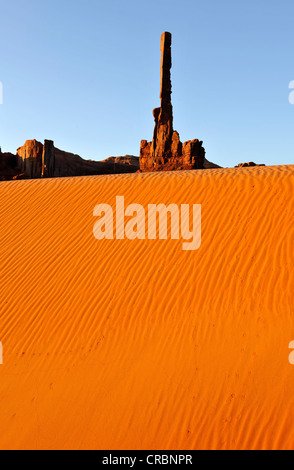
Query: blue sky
{"points": [[86, 75]]}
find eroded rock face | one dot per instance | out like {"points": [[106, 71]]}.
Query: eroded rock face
{"points": [[48, 159], [194, 154], [126, 164], [176, 145], [35, 160], [29, 158], [249, 164], [166, 150], [146, 161], [69, 164], [163, 116]]}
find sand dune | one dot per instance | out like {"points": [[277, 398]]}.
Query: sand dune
{"points": [[120, 344]]}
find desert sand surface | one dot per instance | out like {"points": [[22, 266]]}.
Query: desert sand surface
{"points": [[137, 344]]}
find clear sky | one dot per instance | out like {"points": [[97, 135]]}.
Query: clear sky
{"points": [[86, 74]]}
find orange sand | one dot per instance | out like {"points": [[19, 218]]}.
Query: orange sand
{"points": [[138, 344]]}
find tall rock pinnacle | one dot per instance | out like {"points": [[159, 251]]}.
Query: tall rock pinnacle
{"points": [[163, 116], [165, 67], [166, 150]]}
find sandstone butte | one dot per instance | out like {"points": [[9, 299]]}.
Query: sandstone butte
{"points": [[36, 160]]}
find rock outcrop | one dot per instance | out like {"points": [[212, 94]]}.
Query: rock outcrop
{"points": [[48, 159], [166, 150], [123, 164], [69, 164], [29, 158], [8, 166], [35, 160], [249, 164]]}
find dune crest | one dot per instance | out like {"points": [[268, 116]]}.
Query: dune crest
{"points": [[137, 344]]}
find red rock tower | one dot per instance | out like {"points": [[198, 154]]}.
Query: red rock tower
{"points": [[163, 116], [166, 150]]}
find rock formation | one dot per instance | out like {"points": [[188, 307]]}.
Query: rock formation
{"points": [[122, 163], [35, 160], [48, 159], [249, 164], [163, 116], [8, 166], [29, 158], [166, 152]]}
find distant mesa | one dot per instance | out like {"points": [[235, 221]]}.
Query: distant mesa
{"points": [[36, 160], [166, 151], [244, 165]]}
